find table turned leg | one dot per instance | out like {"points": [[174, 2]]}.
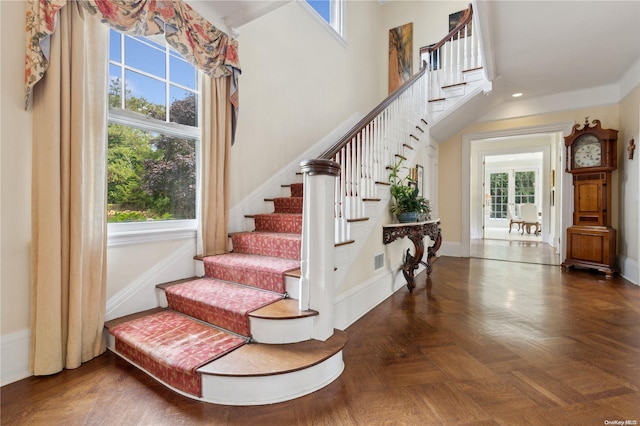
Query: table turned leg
{"points": [[411, 263]]}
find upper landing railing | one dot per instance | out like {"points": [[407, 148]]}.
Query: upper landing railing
{"points": [[371, 145], [452, 56]]}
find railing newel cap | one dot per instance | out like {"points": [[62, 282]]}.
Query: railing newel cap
{"points": [[320, 166]]}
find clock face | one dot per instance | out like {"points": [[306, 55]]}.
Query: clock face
{"points": [[587, 152]]}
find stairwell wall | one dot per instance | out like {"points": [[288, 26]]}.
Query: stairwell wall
{"points": [[15, 189], [299, 82], [430, 24]]}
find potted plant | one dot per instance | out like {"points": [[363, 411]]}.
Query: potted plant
{"points": [[407, 205]]}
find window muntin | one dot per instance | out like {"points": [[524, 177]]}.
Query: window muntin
{"points": [[153, 134], [525, 187], [499, 193]]}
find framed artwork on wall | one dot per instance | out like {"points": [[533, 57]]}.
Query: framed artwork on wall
{"points": [[454, 19], [400, 55], [420, 179]]}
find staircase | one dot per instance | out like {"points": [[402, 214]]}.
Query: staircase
{"points": [[259, 326], [235, 336]]}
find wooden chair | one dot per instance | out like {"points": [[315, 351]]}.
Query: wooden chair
{"points": [[529, 216], [513, 219]]}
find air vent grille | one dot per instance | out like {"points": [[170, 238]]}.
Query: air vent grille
{"points": [[378, 261]]}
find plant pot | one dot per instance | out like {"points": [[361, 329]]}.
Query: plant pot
{"points": [[408, 217]]}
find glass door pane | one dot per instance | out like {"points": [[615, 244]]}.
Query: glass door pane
{"points": [[499, 193]]}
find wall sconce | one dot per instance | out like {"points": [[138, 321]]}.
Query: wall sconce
{"points": [[631, 148]]}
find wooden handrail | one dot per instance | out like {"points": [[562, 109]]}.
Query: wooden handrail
{"points": [[466, 18], [331, 152]]}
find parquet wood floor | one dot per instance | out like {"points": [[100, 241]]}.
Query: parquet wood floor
{"points": [[480, 342]]}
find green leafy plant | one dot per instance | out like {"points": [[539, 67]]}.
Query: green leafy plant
{"points": [[405, 194]]}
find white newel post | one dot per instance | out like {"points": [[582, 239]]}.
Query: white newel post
{"points": [[317, 264]]}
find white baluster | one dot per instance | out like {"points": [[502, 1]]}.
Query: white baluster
{"points": [[466, 48]]}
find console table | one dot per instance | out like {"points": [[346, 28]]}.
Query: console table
{"points": [[416, 232]]}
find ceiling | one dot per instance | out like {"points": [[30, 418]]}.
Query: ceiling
{"points": [[235, 13], [547, 47], [538, 47]]}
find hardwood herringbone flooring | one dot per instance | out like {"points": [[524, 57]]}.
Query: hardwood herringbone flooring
{"points": [[479, 342]]}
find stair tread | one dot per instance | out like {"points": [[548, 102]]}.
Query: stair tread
{"points": [[112, 323], [257, 359], [221, 303], [279, 222], [295, 273], [282, 309], [275, 214], [276, 244], [254, 270], [268, 262], [172, 346]]}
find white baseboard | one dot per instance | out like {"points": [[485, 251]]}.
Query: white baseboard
{"points": [[355, 303], [451, 248], [629, 269], [14, 357]]}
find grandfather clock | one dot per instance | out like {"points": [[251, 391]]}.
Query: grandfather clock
{"points": [[591, 157]]}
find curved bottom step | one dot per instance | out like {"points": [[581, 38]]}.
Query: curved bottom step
{"points": [[261, 390], [259, 374]]}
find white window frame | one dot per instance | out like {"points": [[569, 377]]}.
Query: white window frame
{"points": [[131, 233], [336, 26]]}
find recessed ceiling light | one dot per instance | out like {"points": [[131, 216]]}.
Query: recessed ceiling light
{"points": [[517, 95]]}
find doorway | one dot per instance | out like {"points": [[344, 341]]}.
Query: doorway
{"points": [[533, 155]]}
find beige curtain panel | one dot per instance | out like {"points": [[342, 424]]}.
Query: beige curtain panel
{"points": [[68, 259], [68, 263], [216, 152]]}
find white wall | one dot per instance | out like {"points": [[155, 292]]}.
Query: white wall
{"points": [[629, 188], [15, 127], [430, 24], [298, 83], [15, 215]]}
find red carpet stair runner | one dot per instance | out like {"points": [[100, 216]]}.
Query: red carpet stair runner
{"points": [[209, 317]]}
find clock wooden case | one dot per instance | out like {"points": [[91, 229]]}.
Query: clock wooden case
{"points": [[591, 157]]}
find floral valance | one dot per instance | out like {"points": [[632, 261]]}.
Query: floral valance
{"points": [[205, 46]]}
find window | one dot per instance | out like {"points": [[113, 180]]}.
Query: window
{"points": [[153, 133], [525, 187], [499, 193], [331, 11]]}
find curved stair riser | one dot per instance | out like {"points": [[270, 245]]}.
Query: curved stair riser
{"points": [[271, 389], [278, 331]]}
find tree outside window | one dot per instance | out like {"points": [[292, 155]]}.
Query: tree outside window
{"points": [[152, 152]]}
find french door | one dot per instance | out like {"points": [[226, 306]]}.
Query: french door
{"points": [[505, 190]]}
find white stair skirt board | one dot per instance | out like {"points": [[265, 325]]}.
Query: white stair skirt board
{"points": [[292, 287], [161, 295], [453, 91], [277, 331], [436, 106], [261, 390], [475, 75]]}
